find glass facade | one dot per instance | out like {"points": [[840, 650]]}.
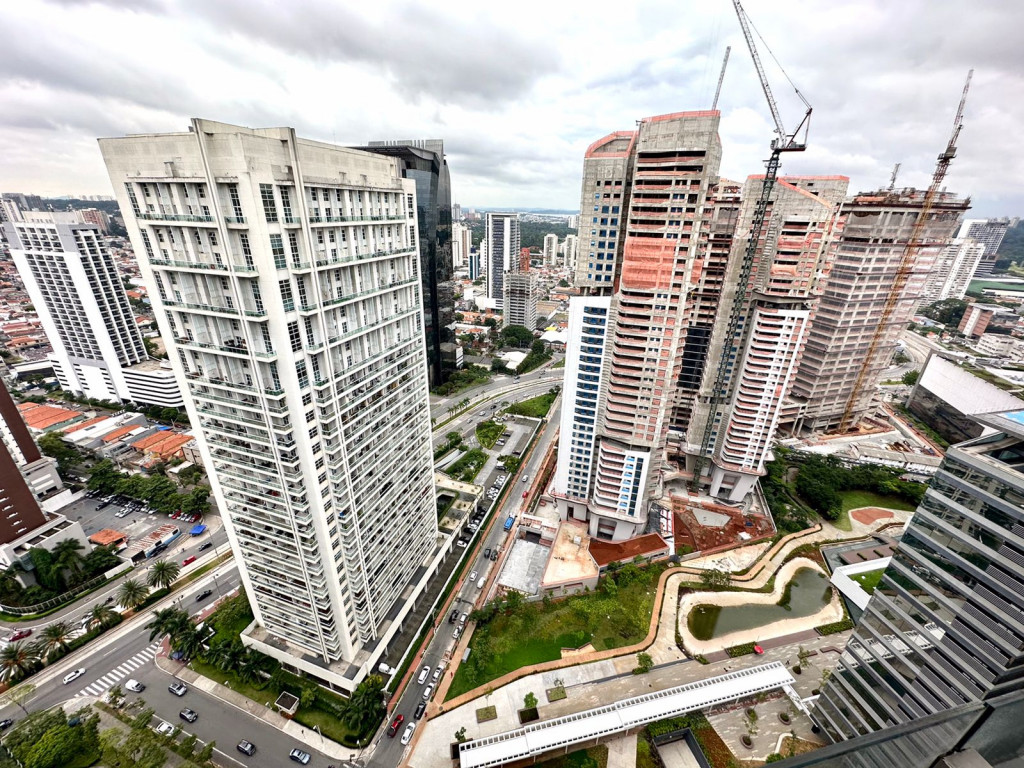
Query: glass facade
{"points": [[423, 161], [945, 627]]}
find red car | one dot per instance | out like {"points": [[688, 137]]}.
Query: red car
{"points": [[758, 650], [395, 725], [525, 494], [20, 634]]}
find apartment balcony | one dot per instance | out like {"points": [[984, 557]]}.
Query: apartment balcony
{"points": [[191, 376], [235, 220], [209, 309], [395, 217], [189, 265], [178, 217], [290, 221]]}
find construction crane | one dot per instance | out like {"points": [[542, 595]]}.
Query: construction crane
{"points": [[783, 142], [721, 77], [907, 258]]}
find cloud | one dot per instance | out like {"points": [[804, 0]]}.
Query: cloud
{"points": [[518, 96]]}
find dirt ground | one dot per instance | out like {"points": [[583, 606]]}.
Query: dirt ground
{"points": [[868, 515]]}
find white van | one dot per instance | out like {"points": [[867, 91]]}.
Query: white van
{"points": [[480, 584]]}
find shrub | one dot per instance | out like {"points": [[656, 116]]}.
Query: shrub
{"points": [[836, 626], [740, 650]]}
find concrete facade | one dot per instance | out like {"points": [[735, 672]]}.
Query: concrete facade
{"points": [[519, 303], [954, 270], [502, 251], [292, 311]]}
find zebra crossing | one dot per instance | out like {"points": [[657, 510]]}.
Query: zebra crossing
{"points": [[119, 673]]}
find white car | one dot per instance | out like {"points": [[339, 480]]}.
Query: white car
{"points": [[72, 676], [165, 729], [409, 730], [437, 672], [135, 686], [472, 576]]}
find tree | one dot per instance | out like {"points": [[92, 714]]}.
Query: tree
{"points": [[55, 748], [52, 444], [162, 573], [19, 696], [529, 701], [132, 593], [750, 722], [460, 735], [99, 560], [910, 377], [228, 656], [949, 312], [196, 501], [104, 477], [713, 579], [102, 615], [189, 640], [366, 706], [167, 621], [53, 640], [644, 663], [516, 336], [17, 660], [206, 753], [68, 554]]}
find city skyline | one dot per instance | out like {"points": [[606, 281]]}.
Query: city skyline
{"points": [[871, 111]]}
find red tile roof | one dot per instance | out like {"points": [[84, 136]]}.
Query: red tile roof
{"points": [[605, 552]]}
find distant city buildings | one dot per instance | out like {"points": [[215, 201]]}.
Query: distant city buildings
{"points": [[988, 232], [285, 275], [502, 251], [570, 251], [550, 251], [77, 292], [462, 245]]}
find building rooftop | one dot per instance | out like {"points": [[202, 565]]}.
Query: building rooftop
{"points": [[570, 558], [605, 552], [107, 536], [119, 432], [40, 416]]}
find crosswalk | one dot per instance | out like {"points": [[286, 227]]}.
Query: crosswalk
{"points": [[116, 675]]}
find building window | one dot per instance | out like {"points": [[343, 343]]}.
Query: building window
{"points": [[294, 336], [277, 248]]}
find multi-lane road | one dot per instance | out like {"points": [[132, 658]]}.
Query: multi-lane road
{"points": [[390, 751]]}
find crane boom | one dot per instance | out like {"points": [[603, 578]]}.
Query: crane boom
{"points": [[737, 312], [721, 77], [907, 258]]}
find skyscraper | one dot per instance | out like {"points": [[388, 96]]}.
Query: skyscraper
{"points": [[570, 252], [550, 254], [988, 232], [869, 256], [520, 300], [945, 626], [792, 264], [76, 289], [648, 200], [502, 251], [954, 269], [423, 161], [291, 306], [462, 245]]}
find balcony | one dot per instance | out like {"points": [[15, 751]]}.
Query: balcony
{"points": [[203, 265], [175, 217], [234, 219], [210, 308]]}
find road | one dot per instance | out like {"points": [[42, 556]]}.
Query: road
{"points": [[499, 385], [389, 751], [117, 657]]}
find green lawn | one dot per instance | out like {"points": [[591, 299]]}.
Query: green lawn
{"points": [[595, 757], [467, 466], [487, 433], [610, 617], [856, 499], [869, 580], [537, 407]]}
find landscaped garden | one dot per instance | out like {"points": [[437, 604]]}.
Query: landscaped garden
{"points": [[512, 633], [869, 580], [468, 465], [536, 407], [488, 432]]}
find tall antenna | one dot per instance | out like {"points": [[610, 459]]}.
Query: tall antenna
{"points": [[721, 77]]}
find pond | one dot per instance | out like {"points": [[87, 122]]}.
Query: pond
{"points": [[806, 594]]}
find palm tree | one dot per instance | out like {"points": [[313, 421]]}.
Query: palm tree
{"points": [[169, 621], [162, 573], [132, 593], [53, 639], [188, 640], [366, 704], [16, 661], [101, 615], [250, 666], [229, 655], [67, 554]]}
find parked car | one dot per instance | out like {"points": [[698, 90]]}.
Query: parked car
{"points": [[178, 689], [246, 747], [428, 692], [189, 715], [299, 756], [462, 618], [423, 675], [462, 543], [135, 686], [472, 575], [409, 730], [454, 615], [494, 555], [72, 676], [164, 729], [395, 725], [437, 673], [487, 555], [420, 709], [457, 632]]}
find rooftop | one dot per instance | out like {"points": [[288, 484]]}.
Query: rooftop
{"points": [[570, 558], [605, 552], [40, 416]]}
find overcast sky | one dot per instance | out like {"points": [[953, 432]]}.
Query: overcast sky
{"points": [[517, 90]]}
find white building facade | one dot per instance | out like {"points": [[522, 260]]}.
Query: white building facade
{"points": [[284, 276], [520, 300], [954, 269], [502, 251], [550, 253]]}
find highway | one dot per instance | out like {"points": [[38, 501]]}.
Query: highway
{"points": [[389, 751]]}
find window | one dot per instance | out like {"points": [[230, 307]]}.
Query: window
{"points": [[286, 294], [269, 205], [294, 337], [277, 248]]}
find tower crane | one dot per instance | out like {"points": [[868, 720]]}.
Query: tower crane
{"points": [[908, 258], [783, 142], [721, 77]]}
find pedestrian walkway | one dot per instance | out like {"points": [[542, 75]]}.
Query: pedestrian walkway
{"points": [[108, 681]]}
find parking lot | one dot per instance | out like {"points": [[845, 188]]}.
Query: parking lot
{"points": [[119, 514]]}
